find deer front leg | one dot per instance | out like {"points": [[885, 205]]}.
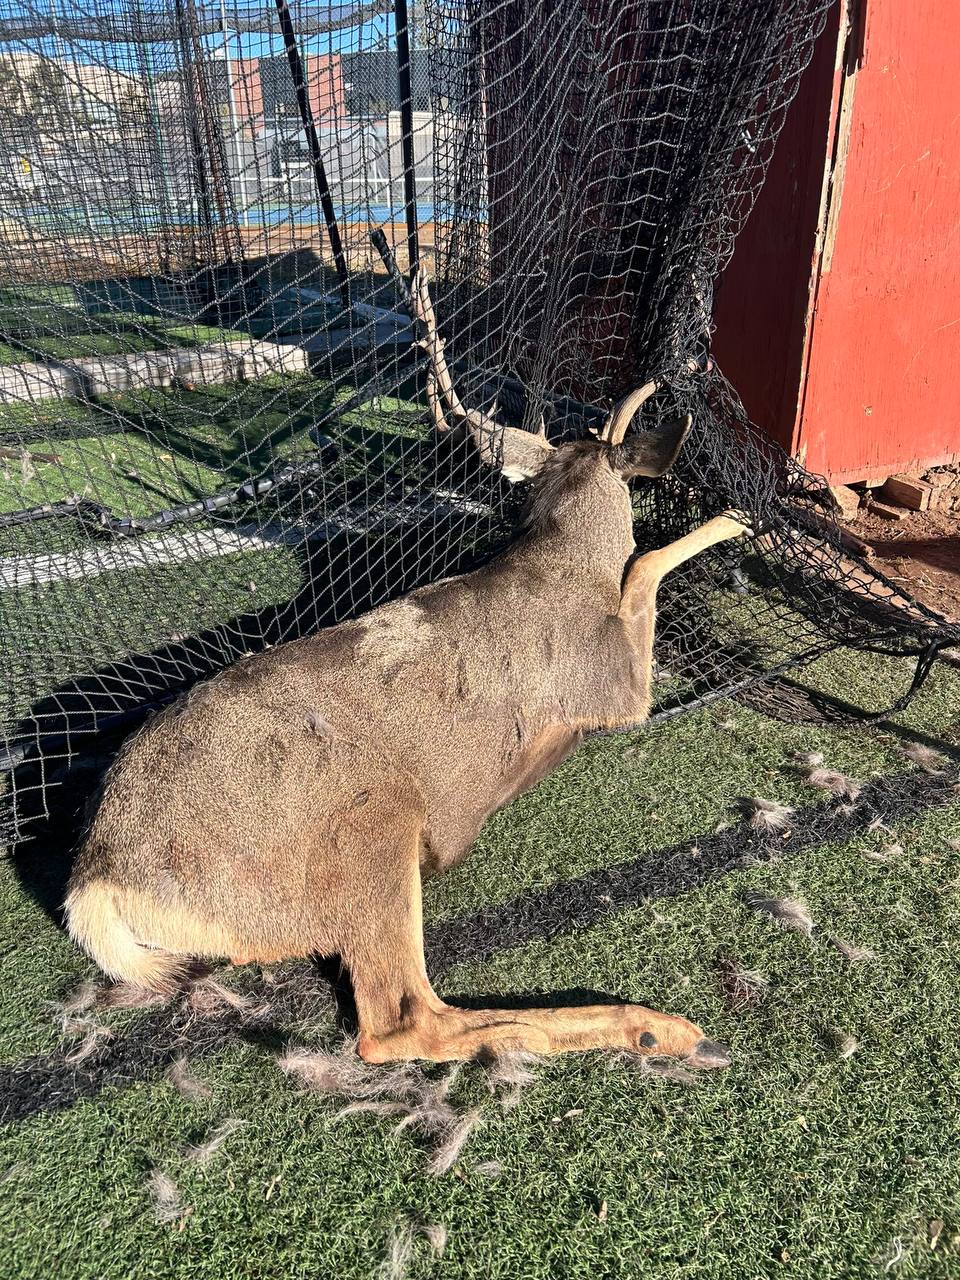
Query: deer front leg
{"points": [[639, 591], [401, 1017], [637, 614], [649, 569]]}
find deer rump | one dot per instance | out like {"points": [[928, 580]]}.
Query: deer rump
{"points": [[289, 806]]}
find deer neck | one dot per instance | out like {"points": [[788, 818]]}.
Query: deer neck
{"points": [[581, 548]]}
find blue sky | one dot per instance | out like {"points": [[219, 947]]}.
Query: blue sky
{"points": [[371, 34]]}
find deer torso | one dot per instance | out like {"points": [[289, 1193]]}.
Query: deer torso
{"points": [[469, 690]]}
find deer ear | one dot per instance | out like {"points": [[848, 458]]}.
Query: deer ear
{"points": [[651, 453]]}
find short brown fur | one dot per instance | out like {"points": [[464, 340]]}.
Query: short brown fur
{"points": [[230, 827]]}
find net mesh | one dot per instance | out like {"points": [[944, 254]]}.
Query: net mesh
{"points": [[214, 427]]}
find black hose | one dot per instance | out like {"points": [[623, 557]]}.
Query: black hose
{"points": [[49, 511]]}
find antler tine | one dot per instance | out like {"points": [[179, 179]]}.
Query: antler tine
{"points": [[432, 343], [615, 427], [434, 402]]}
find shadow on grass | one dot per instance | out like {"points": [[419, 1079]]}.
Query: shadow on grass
{"points": [[247, 424], [788, 697], [234, 430]]}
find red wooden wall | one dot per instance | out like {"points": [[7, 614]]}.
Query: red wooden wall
{"points": [[838, 319]]}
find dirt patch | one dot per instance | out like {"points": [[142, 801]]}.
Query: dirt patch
{"points": [[920, 553]]}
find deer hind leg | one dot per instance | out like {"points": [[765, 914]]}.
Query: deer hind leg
{"points": [[459, 1035], [401, 1018]]}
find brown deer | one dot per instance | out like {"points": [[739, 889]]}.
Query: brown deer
{"points": [[291, 805]]}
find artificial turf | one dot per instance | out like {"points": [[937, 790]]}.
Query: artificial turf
{"points": [[141, 451], [50, 333], [793, 1162], [624, 874]]}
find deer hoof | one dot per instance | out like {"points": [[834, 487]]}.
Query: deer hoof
{"points": [[709, 1056]]}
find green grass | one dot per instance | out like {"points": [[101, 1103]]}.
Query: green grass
{"points": [[59, 333], [56, 631], [143, 451], [791, 1163]]}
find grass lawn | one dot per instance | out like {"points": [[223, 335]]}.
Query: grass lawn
{"points": [[53, 333], [142, 451], [611, 877], [68, 629]]}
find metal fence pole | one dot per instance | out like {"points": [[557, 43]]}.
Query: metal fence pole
{"points": [[402, 20], [234, 118]]}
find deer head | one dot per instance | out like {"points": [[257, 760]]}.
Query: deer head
{"points": [[521, 455]]}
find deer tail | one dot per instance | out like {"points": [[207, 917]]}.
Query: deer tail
{"points": [[96, 925]]}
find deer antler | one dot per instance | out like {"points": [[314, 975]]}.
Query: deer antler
{"points": [[440, 389], [433, 344], [434, 402], [621, 415], [522, 450], [615, 427]]}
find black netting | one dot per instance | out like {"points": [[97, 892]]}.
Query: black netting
{"points": [[214, 427]]}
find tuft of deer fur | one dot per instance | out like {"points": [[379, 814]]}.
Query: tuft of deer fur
{"points": [[230, 825]]}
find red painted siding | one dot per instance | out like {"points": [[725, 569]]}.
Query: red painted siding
{"points": [[882, 391], [839, 318], [765, 297]]}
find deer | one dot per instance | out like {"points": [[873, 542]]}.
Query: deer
{"points": [[292, 805]]}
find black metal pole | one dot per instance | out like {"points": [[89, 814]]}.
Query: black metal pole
{"points": [[204, 207], [313, 145], [406, 131]]}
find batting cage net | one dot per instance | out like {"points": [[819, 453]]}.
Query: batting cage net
{"points": [[226, 420]]}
